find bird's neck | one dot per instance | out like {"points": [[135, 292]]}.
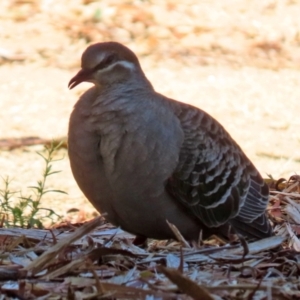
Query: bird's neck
{"points": [[121, 96]]}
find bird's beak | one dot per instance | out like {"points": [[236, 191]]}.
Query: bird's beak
{"points": [[82, 75]]}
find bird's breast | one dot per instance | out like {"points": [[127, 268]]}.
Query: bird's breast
{"points": [[140, 149], [121, 160]]}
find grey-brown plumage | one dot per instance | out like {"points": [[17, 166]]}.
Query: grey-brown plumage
{"points": [[143, 158]]}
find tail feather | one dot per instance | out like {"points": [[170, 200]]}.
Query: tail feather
{"points": [[259, 228]]}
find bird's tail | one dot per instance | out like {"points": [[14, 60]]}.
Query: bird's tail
{"points": [[259, 228]]}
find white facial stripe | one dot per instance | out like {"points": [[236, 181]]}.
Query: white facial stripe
{"points": [[123, 63]]}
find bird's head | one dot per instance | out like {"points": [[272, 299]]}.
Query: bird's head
{"points": [[105, 64]]}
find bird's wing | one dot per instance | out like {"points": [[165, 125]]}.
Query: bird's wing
{"points": [[214, 178]]}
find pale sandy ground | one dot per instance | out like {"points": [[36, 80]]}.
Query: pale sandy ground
{"points": [[259, 106]]}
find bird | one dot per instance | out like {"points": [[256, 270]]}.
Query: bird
{"points": [[143, 159]]}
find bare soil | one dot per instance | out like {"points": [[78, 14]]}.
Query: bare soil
{"points": [[237, 60]]}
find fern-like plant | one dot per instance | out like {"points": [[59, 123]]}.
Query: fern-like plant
{"points": [[26, 211]]}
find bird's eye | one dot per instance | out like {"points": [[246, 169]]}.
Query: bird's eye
{"points": [[106, 62]]}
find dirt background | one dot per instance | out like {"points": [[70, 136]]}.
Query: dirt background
{"points": [[238, 60]]}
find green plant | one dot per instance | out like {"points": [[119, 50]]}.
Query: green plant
{"points": [[27, 211], [97, 15]]}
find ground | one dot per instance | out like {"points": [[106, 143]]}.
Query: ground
{"points": [[237, 60]]}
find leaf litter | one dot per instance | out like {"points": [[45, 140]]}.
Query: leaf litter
{"points": [[96, 260]]}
